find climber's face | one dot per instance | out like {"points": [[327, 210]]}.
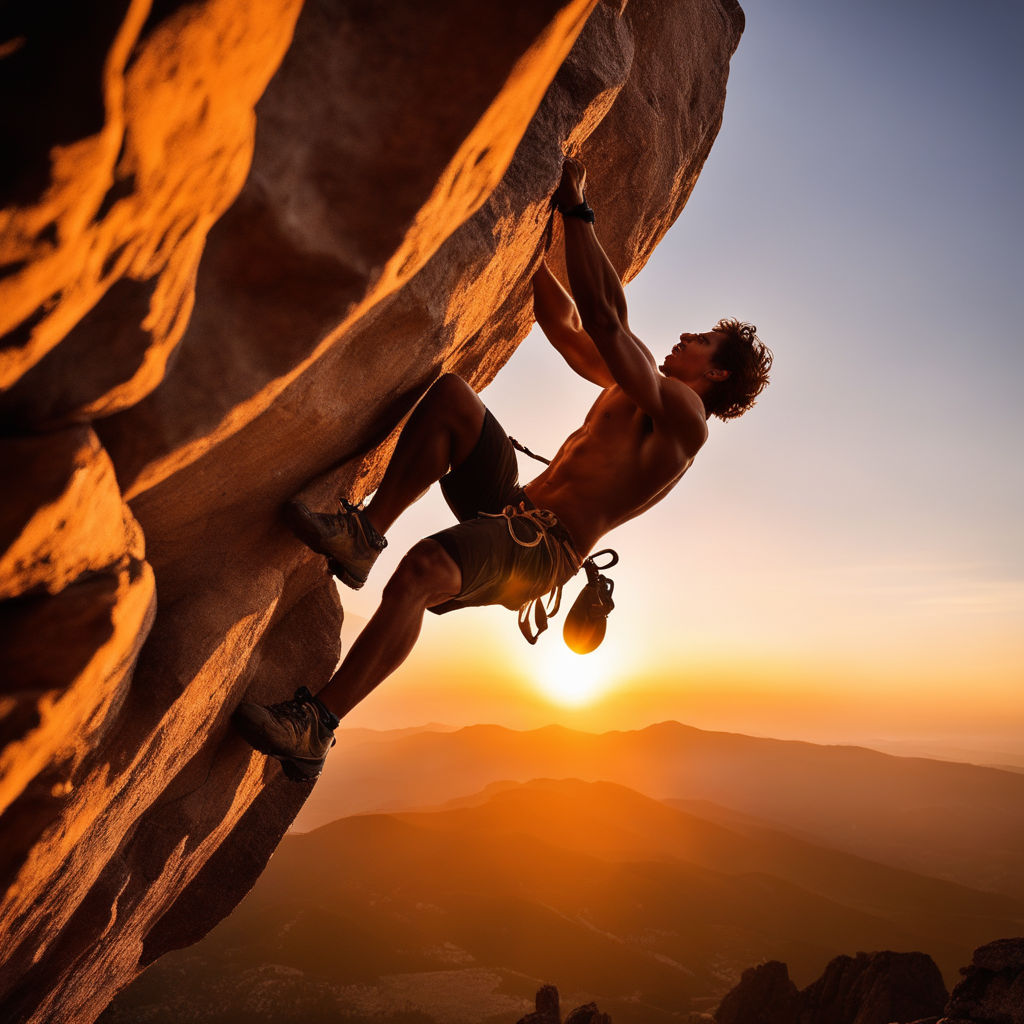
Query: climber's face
{"points": [[693, 357]]}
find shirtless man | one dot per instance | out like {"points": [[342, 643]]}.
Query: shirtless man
{"points": [[513, 545]]}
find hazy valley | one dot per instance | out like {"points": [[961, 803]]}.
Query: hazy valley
{"points": [[500, 864]]}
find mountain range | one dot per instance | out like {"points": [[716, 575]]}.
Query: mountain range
{"points": [[961, 822], [457, 911]]}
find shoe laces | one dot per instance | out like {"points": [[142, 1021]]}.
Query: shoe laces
{"points": [[348, 519], [357, 525], [297, 710], [303, 707]]}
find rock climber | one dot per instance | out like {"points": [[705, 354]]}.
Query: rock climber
{"points": [[514, 544]]}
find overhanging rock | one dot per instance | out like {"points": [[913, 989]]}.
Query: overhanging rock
{"points": [[204, 309]]}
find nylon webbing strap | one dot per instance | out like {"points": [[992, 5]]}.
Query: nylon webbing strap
{"points": [[526, 451], [594, 578]]}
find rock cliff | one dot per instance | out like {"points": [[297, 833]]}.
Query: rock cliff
{"points": [[239, 241]]}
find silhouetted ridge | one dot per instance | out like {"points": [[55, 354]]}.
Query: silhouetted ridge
{"points": [[885, 988], [958, 822]]}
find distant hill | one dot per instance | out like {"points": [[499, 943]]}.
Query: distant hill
{"points": [[458, 915], [1009, 760], [960, 822], [359, 735]]}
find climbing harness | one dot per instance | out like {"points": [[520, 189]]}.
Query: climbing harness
{"points": [[542, 527], [587, 620]]}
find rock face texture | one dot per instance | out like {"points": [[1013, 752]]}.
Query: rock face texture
{"points": [[871, 988], [237, 245], [992, 988]]}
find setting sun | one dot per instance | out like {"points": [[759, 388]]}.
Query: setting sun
{"points": [[572, 680]]}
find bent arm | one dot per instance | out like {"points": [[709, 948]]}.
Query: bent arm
{"points": [[560, 321]]}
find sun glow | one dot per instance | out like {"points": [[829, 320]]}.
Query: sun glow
{"points": [[573, 680]]}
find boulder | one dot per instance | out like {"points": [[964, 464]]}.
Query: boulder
{"points": [[587, 1014]]}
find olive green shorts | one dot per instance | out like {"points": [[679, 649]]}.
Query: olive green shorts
{"points": [[495, 568]]}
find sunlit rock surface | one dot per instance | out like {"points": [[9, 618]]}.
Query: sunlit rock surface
{"points": [[212, 290]]}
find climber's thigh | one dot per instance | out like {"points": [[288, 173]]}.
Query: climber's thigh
{"points": [[453, 404], [488, 478]]}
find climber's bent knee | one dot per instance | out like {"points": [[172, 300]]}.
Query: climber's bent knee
{"points": [[452, 405], [453, 399], [427, 575], [449, 388]]}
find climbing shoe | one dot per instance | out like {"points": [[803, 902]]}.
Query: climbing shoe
{"points": [[298, 732], [347, 538]]}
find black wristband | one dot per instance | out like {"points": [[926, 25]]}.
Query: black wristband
{"points": [[581, 211]]}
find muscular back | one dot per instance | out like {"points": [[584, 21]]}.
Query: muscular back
{"points": [[616, 465]]}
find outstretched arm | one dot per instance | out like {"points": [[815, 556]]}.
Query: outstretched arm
{"points": [[560, 321], [601, 303]]}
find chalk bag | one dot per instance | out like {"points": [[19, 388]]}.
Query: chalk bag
{"points": [[588, 618]]}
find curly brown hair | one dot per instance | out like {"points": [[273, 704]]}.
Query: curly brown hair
{"points": [[748, 361]]}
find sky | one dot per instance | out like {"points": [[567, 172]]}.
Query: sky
{"points": [[846, 561]]}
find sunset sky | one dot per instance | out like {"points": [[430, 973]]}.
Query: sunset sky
{"points": [[846, 561]]}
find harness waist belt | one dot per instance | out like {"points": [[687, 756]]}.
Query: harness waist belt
{"points": [[529, 527]]}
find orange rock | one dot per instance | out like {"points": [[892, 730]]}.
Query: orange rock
{"points": [[387, 231], [65, 517], [111, 214], [79, 603]]}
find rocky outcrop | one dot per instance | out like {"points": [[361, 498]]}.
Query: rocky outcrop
{"points": [[764, 995], [587, 1014], [874, 988], [871, 988], [885, 988], [991, 990], [547, 1009], [548, 1012], [240, 241]]}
